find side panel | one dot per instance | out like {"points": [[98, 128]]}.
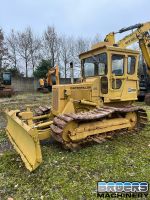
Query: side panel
{"points": [[63, 93]]}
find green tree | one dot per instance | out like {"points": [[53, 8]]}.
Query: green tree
{"points": [[42, 69], [15, 72]]}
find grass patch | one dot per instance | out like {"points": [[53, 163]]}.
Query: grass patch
{"points": [[67, 175]]}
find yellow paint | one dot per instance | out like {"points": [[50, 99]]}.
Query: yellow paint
{"points": [[25, 131], [25, 141], [87, 129]]}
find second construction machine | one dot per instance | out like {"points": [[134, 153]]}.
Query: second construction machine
{"points": [[52, 78], [91, 111], [5, 85]]}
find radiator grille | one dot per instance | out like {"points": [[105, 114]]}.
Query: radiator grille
{"points": [[55, 99]]}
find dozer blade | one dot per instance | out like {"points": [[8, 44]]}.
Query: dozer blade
{"points": [[24, 139]]}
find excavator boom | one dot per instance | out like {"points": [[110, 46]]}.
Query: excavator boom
{"points": [[130, 38], [130, 28]]}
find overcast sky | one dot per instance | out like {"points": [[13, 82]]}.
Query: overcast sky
{"points": [[84, 18]]}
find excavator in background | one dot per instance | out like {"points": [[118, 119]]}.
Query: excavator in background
{"points": [[94, 110], [141, 35], [47, 82], [5, 85]]}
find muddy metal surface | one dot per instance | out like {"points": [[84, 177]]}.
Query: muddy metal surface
{"points": [[61, 122]]}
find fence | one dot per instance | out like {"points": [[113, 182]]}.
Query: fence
{"points": [[24, 84]]}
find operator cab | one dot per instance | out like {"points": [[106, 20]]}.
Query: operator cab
{"points": [[116, 70], [6, 78]]}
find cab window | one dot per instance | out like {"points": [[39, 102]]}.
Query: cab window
{"points": [[89, 67], [131, 64], [118, 64], [95, 65]]}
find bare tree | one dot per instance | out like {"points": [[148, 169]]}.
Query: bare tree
{"points": [[23, 47], [51, 43], [70, 49], [96, 39], [34, 48], [3, 49], [81, 45], [26, 47], [11, 42], [65, 52]]}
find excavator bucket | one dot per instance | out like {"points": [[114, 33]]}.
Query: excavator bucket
{"points": [[24, 139]]}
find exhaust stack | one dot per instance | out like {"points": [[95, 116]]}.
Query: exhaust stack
{"points": [[71, 73]]}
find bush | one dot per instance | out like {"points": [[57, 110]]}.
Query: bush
{"points": [[42, 69]]}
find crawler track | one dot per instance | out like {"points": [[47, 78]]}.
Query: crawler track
{"points": [[97, 114]]}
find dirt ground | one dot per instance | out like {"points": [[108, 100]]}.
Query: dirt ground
{"points": [[21, 101]]}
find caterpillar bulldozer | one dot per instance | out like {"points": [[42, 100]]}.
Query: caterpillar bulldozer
{"points": [[93, 110], [5, 85]]}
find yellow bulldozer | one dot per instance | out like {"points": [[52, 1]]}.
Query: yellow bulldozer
{"points": [[93, 110]]}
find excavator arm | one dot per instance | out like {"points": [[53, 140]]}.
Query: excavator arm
{"points": [[144, 44], [55, 71]]}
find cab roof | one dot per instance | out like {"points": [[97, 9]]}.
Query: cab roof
{"points": [[105, 46]]}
